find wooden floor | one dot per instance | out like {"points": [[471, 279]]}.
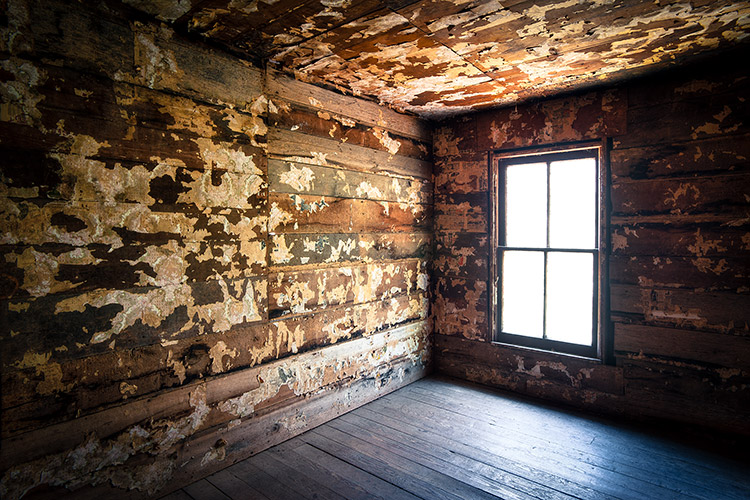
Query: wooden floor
{"points": [[439, 438]]}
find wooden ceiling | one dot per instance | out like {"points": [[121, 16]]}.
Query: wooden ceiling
{"points": [[442, 57]]}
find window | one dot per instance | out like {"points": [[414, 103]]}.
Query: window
{"points": [[548, 268]]}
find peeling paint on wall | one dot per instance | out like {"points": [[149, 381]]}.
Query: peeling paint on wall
{"points": [[153, 246]]}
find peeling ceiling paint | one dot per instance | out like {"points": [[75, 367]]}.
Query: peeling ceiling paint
{"points": [[443, 57]]}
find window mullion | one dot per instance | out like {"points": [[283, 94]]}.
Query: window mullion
{"points": [[546, 253]]}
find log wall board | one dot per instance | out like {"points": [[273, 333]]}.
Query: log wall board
{"points": [[200, 259], [679, 247]]}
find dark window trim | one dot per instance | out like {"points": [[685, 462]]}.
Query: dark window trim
{"points": [[602, 350]]}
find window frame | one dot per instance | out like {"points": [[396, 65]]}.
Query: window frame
{"points": [[601, 347]]}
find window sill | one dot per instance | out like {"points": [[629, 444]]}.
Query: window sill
{"points": [[522, 348]]}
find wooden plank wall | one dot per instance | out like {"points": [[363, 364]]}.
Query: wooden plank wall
{"points": [[678, 258], [199, 259]]}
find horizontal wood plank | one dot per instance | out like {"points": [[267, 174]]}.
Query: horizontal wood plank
{"points": [[726, 237], [366, 112], [731, 351], [704, 273], [725, 194], [311, 179], [711, 311], [302, 148], [308, 249], [714, 155], [329, 125]]}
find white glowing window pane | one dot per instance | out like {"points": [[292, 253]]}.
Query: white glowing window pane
{"points": [[573, 203], [570, 292], [523, 293], [526, 205]]}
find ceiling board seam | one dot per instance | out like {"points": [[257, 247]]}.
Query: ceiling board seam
{"points": [[429, 35], [267, 57]]}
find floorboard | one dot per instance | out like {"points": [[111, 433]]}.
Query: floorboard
{"points": [[440, 438], [234, 487], [585, 439], [204, 489], [560, 458]]}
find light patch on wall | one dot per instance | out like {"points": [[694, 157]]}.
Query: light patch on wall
{"points": [[40, 269], [19, 96], [128, 390], [684, 190], [293, 339], [703, 246], [217, 453], [296, 295], [177, 366], [343, 247], [706, 265], [242, 302], [445, 144], [367, 190], [278, 217], [659, 306], [250, 125], [50, 371], [217, 354], [300, 179], [389, 143], [281, 253], [167, 265], [715, 128], [155, 61]]}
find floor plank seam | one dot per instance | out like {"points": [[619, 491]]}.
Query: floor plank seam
{"points": [[365, 471]]}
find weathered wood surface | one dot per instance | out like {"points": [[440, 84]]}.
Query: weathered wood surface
{"points": [[691, 158], [573, 380], [462, 262], [678, 233], [369, 114], [294, 292], [453, 57], [589, 116], [303, 249], [310, 118], [303, 148], [470, 441], [467, 173], [311, 179], [725, 237], [714, 311], [716, 195], [143, 227], [465, 213], [243, 429], [294, 213], [730, 351], [460, 307], [708, 273], [676, 392]]}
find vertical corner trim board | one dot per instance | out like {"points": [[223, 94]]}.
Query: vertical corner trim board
{"points": [[200, 258]]}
